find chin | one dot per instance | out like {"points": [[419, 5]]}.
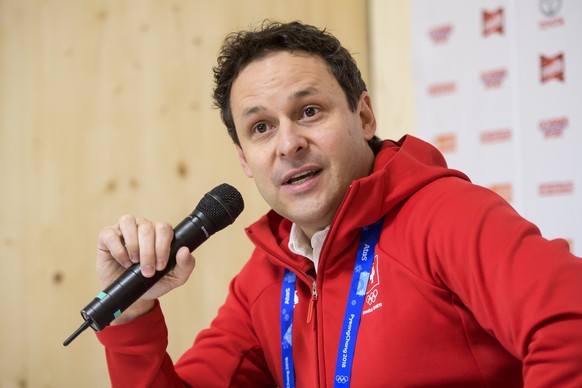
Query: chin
{"points": [[315, 219]]}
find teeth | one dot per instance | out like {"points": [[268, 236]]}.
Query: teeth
{"points": [[302, 177]]}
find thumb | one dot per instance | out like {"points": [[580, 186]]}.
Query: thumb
{"points": [[185, 264]]}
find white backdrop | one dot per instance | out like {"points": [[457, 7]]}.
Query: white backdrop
{"points": [[498, 88]]}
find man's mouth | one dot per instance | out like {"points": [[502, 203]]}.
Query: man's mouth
{"points": [[300, 178]]}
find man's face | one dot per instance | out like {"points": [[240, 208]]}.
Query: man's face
{"points": [[299, 139]]}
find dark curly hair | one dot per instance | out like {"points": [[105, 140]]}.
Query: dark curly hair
{"points": [[241, 48]]}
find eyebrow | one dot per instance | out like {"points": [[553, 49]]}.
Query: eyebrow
{"points": [[252, 110], [310, 90], [304, 92]]}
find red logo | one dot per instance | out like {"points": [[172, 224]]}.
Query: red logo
{"points": [[556, 188], [570, 244], [551, 9], [446, 143], [504, 190], [440, 34], [494, 78], [495, 135], [552, 68], [554, 127], [552, 22], [442, 88], [493, 22]]}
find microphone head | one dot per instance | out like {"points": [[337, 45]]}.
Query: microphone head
{"points": [[221, 205]]}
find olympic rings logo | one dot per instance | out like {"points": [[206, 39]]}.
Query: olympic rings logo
{"points": [[341, 379], [371, 298]]}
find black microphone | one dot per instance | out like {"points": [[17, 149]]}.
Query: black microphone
{"points": [[215, 211]]}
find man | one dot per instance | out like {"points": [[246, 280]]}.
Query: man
{"points": [[378, 266]]}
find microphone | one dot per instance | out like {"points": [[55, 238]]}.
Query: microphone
{"points": [[215, 211]]}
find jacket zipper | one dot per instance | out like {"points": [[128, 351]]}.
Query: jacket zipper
{"points": [[314, 296], [311, 306]]}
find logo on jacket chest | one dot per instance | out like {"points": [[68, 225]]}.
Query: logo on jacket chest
{"points": [[372, 301]]}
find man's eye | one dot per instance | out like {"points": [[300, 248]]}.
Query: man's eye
{"points": [[310, 111], [260, 128]]}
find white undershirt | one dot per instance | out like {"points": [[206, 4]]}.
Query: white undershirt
{"points": [[299, 243]]}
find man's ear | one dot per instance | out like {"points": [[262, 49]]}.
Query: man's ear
{"points": [[367, 116], [243, 161]]}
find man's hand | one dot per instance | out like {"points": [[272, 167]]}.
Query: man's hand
{"points": [[137, 240]]}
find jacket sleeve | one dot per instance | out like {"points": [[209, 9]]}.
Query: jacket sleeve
{"points": [[525, 290], [136, 352], [225, 355]]}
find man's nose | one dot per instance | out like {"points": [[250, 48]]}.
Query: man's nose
{"points": [[291, 138]]}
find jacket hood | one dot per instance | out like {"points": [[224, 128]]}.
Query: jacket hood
{"points": [[400, 169]]}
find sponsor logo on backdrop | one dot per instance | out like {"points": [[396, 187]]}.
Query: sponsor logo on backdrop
{"points": [[446, 142], [551, 23], [554, 127], [570, 244], [440, 34], [550, 10], [547, 189], [491, 136], [494, 78], [442, 88], [504, 190], [552, 68], [493, 22]]}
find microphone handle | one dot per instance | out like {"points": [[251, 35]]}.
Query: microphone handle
{"points": [[123, 292], [131, 284], [216, 210]]}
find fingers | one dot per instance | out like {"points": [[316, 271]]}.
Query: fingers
{"points": [[185, 264], [164, 236], [128, 228], [110, 243], [146, 244], [137, 240]]}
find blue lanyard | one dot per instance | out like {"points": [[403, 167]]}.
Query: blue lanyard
{"points": [[287, 306], [360, 277]]}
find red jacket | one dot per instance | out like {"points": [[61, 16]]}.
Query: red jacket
{"points": [[467, 293]]}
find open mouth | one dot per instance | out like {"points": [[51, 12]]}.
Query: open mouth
{"points": [[298, 179]]}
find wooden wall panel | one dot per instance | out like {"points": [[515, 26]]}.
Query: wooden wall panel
{"points": [[391, 66], [105, 109]]}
